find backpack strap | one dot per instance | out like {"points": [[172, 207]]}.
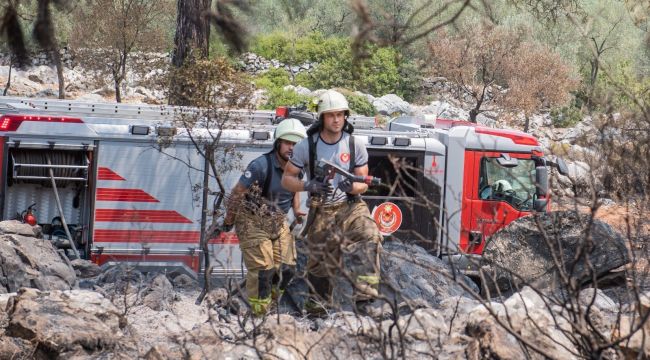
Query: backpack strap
{"points": [[269, 175], [353, 154], [312, 156], [353, 164]]}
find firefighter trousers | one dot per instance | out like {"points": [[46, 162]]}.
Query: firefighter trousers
{"points": [[269, 255], [343, 240]]}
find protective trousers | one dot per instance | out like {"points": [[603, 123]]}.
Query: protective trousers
{"points": [[343, 240], [269, 255]]}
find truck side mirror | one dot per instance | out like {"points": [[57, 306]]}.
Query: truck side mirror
{"points": [[561, 166], [506, 161]]}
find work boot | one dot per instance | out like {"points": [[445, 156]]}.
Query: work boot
{"points": [[366, 287], [315, 308], [287, 272], [259, 307]]}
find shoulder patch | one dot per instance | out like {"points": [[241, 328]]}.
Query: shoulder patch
{"points": [[247, 174]]}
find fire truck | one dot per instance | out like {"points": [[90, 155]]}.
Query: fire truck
{"points": [[101, 184]]}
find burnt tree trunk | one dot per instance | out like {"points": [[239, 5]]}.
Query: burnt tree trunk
{"points": [[11, 63], [192, 31], [479, 101], [119, 74], [56, 58], [118, 92], [190, 42]]}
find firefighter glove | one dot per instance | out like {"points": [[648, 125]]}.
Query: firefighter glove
{"points": [[314, 186], [346, 186], [226, 227]]}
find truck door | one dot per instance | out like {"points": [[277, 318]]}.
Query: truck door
{"points": [[498, 189], [397, 204]]}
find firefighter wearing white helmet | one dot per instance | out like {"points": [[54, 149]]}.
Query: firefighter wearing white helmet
{"points": [[257, 208], [339, 227]]}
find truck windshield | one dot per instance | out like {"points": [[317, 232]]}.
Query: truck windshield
{"points": [[514, 185]]}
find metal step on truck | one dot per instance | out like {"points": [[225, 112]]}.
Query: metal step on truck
{"points": [[102, 187]]}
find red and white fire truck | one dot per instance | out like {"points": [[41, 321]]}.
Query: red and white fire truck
{"points": [[99, 169]]}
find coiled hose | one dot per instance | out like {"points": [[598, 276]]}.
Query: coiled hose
{"points": [[58, 157]]}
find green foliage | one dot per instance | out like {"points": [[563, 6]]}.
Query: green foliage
{"points": [[272, 46], [274, 78], [622, 77], [313, 47], [331, 17], [380, 75], [360, 105], [565, 117], [274, 81], [383, 72], [217, 48], [277, 96]]}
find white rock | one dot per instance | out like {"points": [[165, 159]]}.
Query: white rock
{"points": [[597, 298], [445, 110], [46, 93], [4, 299], [4, 71], [527, 298], [584, 128], [91, 98], [46, 74], [298, 89], [391, 104], [17, 227], [579, 171]]}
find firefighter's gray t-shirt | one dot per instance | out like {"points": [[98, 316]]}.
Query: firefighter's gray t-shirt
{"points": [[338, 153], [256, 173]]}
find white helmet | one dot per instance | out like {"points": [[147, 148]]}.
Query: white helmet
{"points": [[290, 130], [501, 186], [332, 100]]}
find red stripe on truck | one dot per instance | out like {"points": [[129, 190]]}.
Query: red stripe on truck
{"points": [[140, 216], [104, 173], [160, 236], [134, 195], [146, 236]]}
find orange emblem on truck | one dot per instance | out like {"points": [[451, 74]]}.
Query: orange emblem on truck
{"points": [[388, 218]]}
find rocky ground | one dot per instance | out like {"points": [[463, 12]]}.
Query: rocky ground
{"points": [[52, 308]]}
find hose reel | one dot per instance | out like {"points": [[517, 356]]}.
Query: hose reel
{"points": [[30, 166]]}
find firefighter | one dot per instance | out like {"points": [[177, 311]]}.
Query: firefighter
{"points": [[257, 208], [341, 234]]}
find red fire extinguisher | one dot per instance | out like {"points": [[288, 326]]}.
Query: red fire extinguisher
{"points": [[29, 217]]}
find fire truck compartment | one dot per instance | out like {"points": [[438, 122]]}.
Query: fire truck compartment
{"points": [[28, 181]]}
